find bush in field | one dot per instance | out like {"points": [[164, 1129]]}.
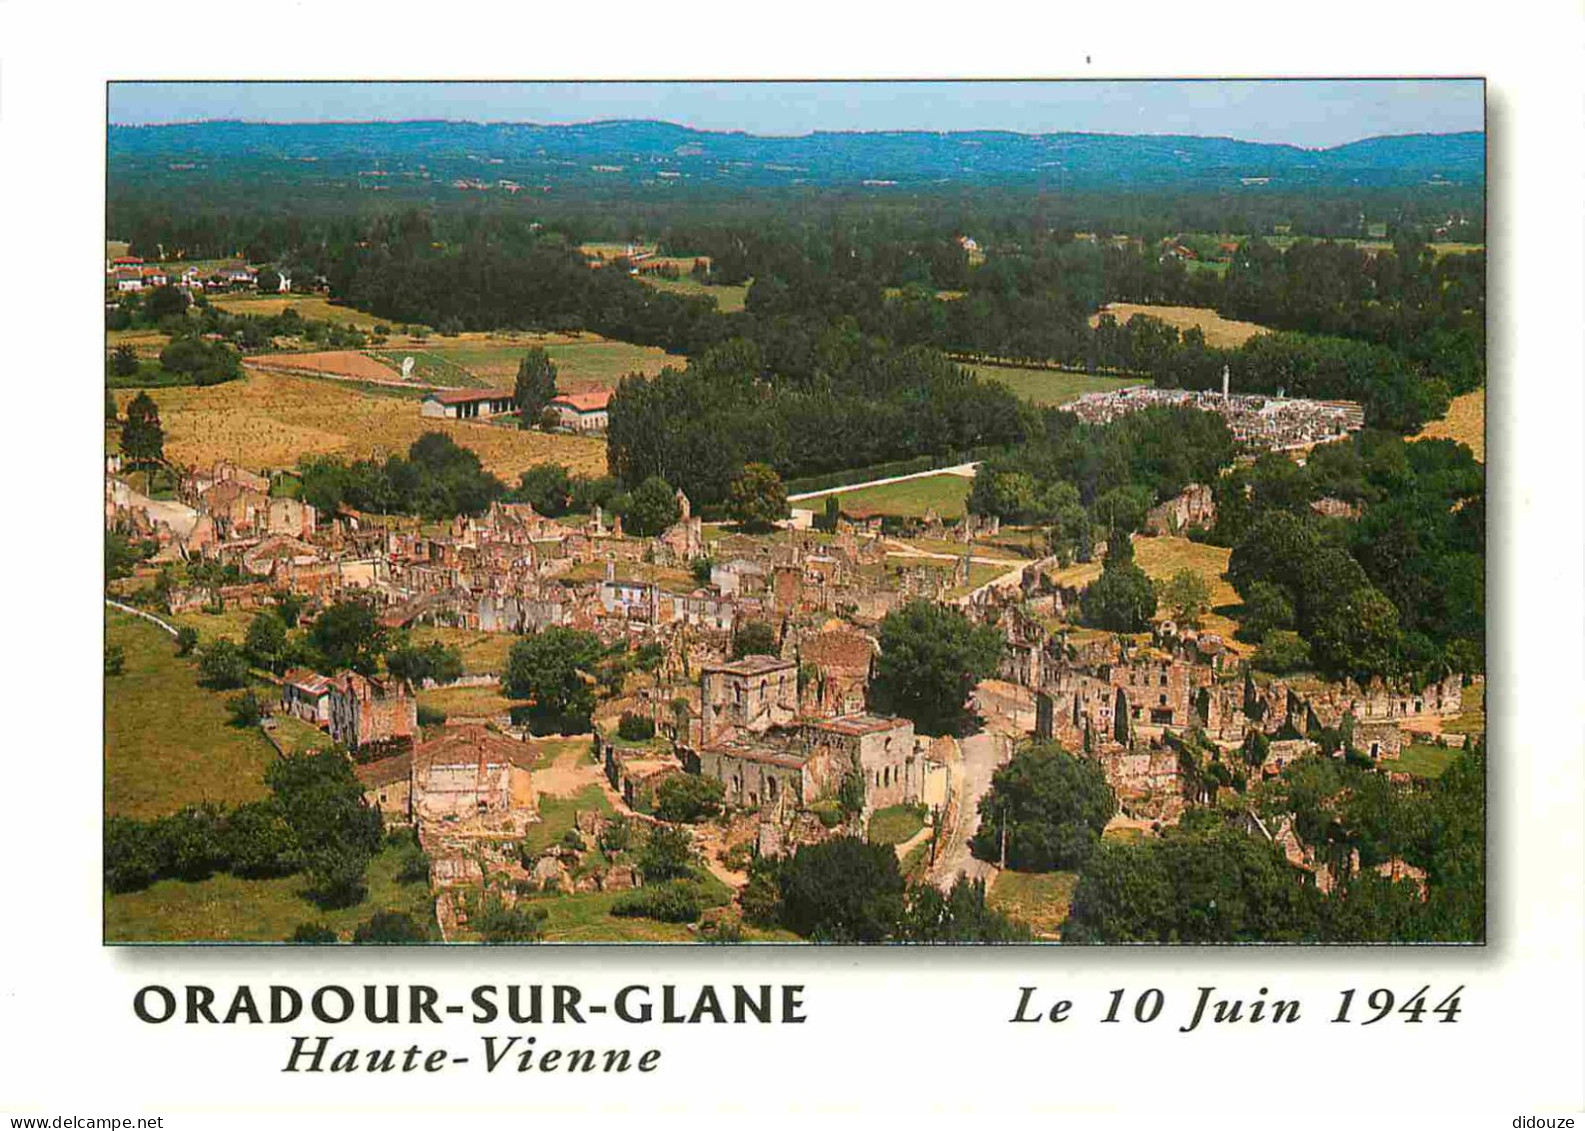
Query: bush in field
{"points": [[688, 798], [246, 710], [312, 933], [666, 855], [635, 727], [498, 923], [676, 901], [388, 927], [222, 666]]}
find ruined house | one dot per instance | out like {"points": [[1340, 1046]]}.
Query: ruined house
{"points": [[467, 772], [378, 713]]}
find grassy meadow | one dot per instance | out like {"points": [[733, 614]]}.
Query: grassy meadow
{"points": [[946, 494], [1040, 899], [1051, 386], [225, 908], [169, 742]]}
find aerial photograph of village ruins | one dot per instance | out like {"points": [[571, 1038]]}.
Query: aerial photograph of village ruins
{"points": [[815, 512]]}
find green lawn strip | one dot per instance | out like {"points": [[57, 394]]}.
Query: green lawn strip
{"points": [[169, 742], [895, 824], [225, 908], [1051, 386], [1423, 761], [946, 494], [557, 814]]}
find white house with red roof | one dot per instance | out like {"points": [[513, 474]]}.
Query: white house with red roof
{"points": [[583, 412]]}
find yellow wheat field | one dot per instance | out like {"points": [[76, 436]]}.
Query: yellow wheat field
{"points": [[1221, 333], [270, 420], [1465, 422]]}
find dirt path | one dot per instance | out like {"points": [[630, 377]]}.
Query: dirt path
{"points": [[894, 548], [571, 772], [982, 754]]}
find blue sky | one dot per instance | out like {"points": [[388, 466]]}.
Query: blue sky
{"points": [[1308, 113]]}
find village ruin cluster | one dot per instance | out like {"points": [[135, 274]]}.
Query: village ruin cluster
{"points": [[783, 731]]}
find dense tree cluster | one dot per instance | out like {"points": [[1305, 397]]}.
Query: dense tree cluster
{"points": [[802, 399], [438, 478], [315, 821], [1209, 881], [1397, 590], [850, 890]]}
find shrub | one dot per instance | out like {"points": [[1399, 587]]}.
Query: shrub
{"points": [[498, 923], [635, 727], [830, 812], [186, 640], [616, 835], [313, 933], [246, 709], [222, 666], [1282, 651], [667, 855], [115, 659], [414, 867], [132, 854], [676, 901], [739, 856], [430, 716], [389, 927], [688, 798]]}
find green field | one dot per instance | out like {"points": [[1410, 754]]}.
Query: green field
{"points": [[895, 824], [429, 366], [492, 363], [557, 814], [224, 908], [1051, 386], [169, 742], [911, 498], [728, 300], [316, 308], [586, 917], [1422, 761], [1040, 899]]}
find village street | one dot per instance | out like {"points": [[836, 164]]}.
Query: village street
{"points": [[982, 754]]}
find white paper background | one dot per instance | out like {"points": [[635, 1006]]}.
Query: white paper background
{"points": [[890, 1031]]}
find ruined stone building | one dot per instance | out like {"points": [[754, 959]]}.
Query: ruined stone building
{"points": [[752, 694], [364, 712], [469, 772], [306, 694]]}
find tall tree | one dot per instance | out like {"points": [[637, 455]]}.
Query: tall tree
{"points": [[653, 508], [931, 658], [142, 436], [536, 386], [555, 669], [1047, 807], [758, 499]]}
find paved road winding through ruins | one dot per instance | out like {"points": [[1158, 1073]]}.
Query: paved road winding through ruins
{"points": [[982, 753]]}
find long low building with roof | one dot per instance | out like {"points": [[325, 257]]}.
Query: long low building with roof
{"points": [[467, 404]]}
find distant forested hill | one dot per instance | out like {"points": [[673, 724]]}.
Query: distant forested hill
{"points": [[636, 156]]}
